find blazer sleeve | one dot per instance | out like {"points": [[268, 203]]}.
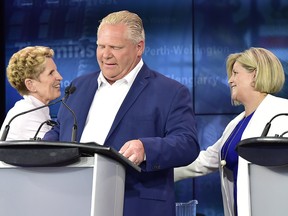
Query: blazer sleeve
{"points": [[208, 160], [179, 146]]}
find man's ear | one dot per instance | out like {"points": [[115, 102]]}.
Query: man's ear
{"points": [[140, 47]]}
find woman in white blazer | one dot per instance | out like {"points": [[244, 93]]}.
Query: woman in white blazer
{"points": [[253, 75]]}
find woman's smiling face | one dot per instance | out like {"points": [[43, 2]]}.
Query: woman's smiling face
{"points": [[241, 83], [47, 86]]}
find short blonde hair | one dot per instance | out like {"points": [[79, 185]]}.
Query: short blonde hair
{"points": [[270, 76], [28, 62], [131, 20]]}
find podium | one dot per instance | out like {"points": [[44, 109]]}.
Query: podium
{"points": [[61, 178], [268, 174]]}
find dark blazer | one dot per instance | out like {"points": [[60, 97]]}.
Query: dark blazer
{"points": [[158, 111]]}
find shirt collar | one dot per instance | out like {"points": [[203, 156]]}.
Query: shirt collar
{"points": [[128, 79], [33, 100]]}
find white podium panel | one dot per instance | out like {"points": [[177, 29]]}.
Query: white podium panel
{"points": [[108, 187], [93, 186], [268, 190], [268, 173]]}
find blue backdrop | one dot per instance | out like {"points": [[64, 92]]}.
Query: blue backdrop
{"points": [[186, 40]]}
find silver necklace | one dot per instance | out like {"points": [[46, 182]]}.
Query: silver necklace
{"points": [[224, 156]]}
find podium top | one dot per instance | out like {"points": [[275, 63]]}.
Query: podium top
{"points": [[264, 151], [35, 153]]}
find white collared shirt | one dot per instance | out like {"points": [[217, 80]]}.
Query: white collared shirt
{"points": [[105, 105], [24, 127]]}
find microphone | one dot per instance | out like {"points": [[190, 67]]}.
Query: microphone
{"points": [[268, 125], [68, 91], [48, 122]]}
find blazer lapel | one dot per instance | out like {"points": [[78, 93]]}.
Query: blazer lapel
{"points": [[137, 87], [84, 103]]}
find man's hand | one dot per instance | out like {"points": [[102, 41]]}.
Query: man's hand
{"points": [[134, 151]]}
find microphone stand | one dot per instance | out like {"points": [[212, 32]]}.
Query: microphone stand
{"points": [[48, 122], [74, 128], [268, 125]]}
